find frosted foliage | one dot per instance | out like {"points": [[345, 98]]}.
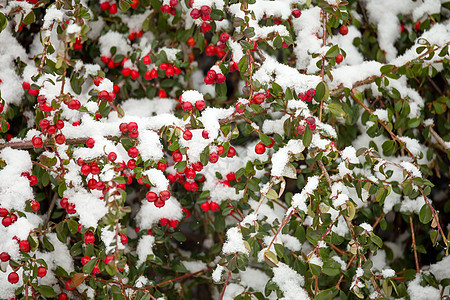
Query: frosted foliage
{"points": [[15, 189], [144, 248], [149, 145], [150, 214], [89, 207], [282, 156], [234, 243], [418, 292], [289, 282], [194, 266]]}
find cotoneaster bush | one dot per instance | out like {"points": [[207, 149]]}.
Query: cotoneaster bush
{"points": [[210, 149]]}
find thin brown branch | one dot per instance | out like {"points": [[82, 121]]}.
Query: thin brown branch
{"points": [[439, 139], [413, 244], [225, 286]]}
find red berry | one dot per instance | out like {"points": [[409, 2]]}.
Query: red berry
{"points": [[62, 296], [210, 50], [37, 142], [133, 152], [211, 74], [64, 202], [26, 85], [162, 94], [343, 30], [89, 237], [310, 120], [44, 123], [85, 260], [6, 221], [240, 108], [90, 142], [224, 37], [35, 205], [195, 13], [170, 72], [205, 27], [146, 59], [131, 164], [112, 156], [301, 129], [231, 176], [296, 13], [86, 169], [213, 157], [214, 206], [126, 72], [41, 272], [259, 98], [60, 124], [92, 184], [13, 277], [123, 127], [60, 139], [200, 104], [51, 129], [68, 285], [187, 106], [339, 58], [417, 25], [135, 4], [177, 156], [24, 246], [162, 166], [197, 166], [132, 126], [71, 208], [220, 150], [259, 148], [205, 10], [113, 9], [205, 134], [104, 6], [205, 206], [151, 196], [173, 223], [4, 256], [190, 173], [159, 203], [312, 127], [231, 152], [220, 78], [191, 42], [134, 74], [187, 135], [164, 195], [3, 212], [74, 104], [123, 239]]}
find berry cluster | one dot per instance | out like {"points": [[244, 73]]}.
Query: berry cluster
{"points": [[308, 96], [205, 14], [170, 8], [214, 77], [158, 200]]}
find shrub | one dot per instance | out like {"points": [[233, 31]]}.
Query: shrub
{"points": [[229, 150]]}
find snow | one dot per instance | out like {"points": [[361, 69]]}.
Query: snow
{"points": [[144, 248], [289, 282], [282, 156], [299, 199], [150, 214], [88, 207], [366, 227], [195, 266], [234, 243], [254, 278], [386, 273], [418, 292], [349, 153], [217, 273]]}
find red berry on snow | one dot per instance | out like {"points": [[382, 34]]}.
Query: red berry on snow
{"points": [[41, 272], [90, 142], [13, 277], [259, 148], [187, 135], [151, 196], [296, 13], [343, 30]]}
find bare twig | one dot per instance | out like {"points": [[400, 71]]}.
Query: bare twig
{"points": [[413, 244]]}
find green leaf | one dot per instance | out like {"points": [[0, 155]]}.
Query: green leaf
{"points": [[29, 18], [271, 194], [179, 236], [46, 291], [425, 214], [2, 21], [49, 246], [307, 137], [124, 5], [386, 69], [265, 139], [322, 92], [336, 109], [376, 240], [325, 295], [87, 268], [331, 268], [270, 258], [332, 52]]}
